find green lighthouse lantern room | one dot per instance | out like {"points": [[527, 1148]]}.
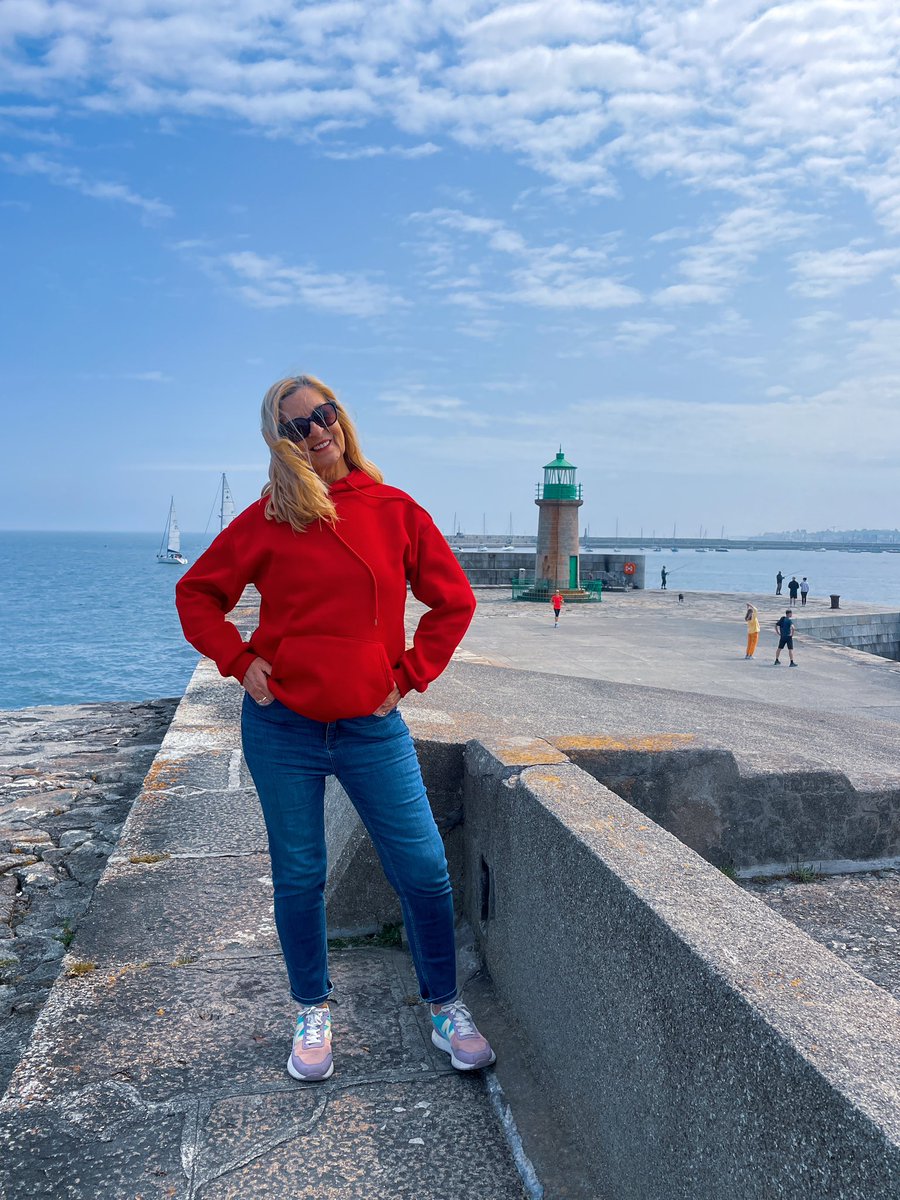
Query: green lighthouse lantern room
{"points": [[559, 480]]}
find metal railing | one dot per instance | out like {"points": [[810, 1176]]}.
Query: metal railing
{"points": [[557, 491], [540, 590]]}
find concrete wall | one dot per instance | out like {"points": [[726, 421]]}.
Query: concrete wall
{"points": [[608, 565], [756, 822], [876, 633], [358, 896], [496, 567], [706, 1047]]}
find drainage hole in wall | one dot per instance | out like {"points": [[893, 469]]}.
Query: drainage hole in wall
{"points": [[487, 892]]}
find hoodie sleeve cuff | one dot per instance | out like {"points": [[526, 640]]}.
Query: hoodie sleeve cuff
{"points": [[402, 679], [238, 666]]}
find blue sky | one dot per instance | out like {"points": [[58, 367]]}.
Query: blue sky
{"points": [[662, 234]]}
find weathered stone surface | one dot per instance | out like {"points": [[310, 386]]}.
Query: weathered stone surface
{"points": [[149, 1076], [713, 1014], [186, 1065], [54, 798], [857, 917], [160, 910], [187, 819]]}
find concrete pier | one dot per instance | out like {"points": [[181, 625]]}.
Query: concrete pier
{"points": [[701, 1044]]}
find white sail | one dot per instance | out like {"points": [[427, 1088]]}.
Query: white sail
{"points": [[170, 549], [174, 541], [226, 509]]}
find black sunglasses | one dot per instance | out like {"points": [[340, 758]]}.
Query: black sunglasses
{"points": [[324, 415]]}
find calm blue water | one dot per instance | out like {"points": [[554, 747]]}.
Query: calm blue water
{"points": [[874, 578], [91, 616]]}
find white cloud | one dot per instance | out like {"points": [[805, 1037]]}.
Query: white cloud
{"points": [[878, 341], [693, 439], [148, 377], [551, 276], [635, 335], [416, 400], [267, 282], [422, 150], [713, 268], [75, 179], [129, 376], [821, 273], [743, 96]]}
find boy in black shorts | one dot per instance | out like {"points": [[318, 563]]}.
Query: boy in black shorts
{"points": [[785, 627]]}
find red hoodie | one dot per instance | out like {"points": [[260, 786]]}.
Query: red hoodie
{"points": [[332, 600]]}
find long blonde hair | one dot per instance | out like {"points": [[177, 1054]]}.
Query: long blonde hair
{"points": [[296, 493]]}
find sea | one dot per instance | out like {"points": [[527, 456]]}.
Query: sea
{"points": [[91, 616]]}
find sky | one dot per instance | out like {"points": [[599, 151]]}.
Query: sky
{"points": [[664, 235]]}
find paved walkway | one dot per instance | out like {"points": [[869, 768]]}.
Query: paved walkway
{"points": [[648, 638], [157, 1067]]}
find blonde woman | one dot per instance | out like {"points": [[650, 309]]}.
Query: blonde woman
{"points": [[331, 548], [751, 616]]}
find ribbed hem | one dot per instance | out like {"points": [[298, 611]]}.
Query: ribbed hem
{"points": [[238, 665], [402, 680]]}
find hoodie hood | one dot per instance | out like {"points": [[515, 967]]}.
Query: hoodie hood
{"points": [[356, 481]]}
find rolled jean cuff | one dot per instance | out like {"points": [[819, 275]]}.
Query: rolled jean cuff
{"points": [[443, 999], [307, 1003]]}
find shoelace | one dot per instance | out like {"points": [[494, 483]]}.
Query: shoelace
{"points": [[313, 1025], [461, 1017]]}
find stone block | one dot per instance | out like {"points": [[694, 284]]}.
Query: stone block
{"points": [[686, 1008]]}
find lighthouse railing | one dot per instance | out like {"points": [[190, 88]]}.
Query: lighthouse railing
{"points": [[557, 491]]}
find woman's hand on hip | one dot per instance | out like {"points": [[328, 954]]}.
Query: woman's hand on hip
{"points": [[256, 681], [388, 704]]}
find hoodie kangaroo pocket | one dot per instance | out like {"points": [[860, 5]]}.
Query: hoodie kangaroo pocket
{"points": [[330, 678]]}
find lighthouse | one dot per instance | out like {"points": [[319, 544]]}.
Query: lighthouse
{"points": [[558, 500]]}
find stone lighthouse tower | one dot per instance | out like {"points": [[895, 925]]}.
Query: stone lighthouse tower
{"points": [[558, 499]]}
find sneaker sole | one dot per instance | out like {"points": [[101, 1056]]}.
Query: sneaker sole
{"points": [[295, 1074], [443, 1044]]}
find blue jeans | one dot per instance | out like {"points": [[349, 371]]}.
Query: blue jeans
{"points": [[375, 761]]}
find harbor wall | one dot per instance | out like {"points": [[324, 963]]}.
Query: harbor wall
{"points": [[752, 821], [496, 568], [875, 633], [705, 1046]]}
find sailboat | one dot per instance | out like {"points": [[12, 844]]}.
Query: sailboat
{"points": [[170, 547], [224, 501], [226, 504]]}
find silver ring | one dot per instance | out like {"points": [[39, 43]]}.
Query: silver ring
{"points": [[265, 700]]}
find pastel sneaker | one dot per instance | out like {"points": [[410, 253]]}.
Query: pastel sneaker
{"points": [[454, 1032], [311, 1052]]}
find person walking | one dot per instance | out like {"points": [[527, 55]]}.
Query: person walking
{"points": [[557, 601], [785, 627], [793, 589], [331, 549], [779, 580], [663, 576], [751, 616], [804, 591]]}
